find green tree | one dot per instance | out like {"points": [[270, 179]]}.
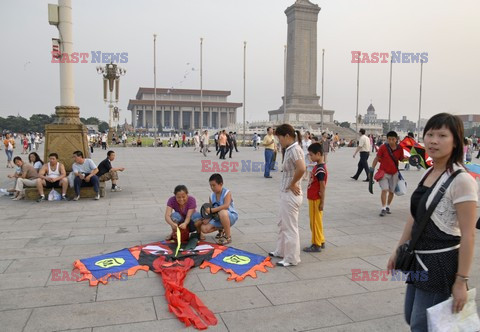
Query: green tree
{"points": [[103, 126], [38, 121], [345, 124], [93, 121]]}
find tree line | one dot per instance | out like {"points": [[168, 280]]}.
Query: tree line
{"points": [[37, 122]]}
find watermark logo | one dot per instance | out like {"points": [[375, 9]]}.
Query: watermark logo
{"points": [[382, 57], [92, 57], [382, 275], [235, 166], [75, 275]]}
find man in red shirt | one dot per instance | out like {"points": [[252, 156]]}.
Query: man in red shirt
{"points": [[388, 155]]}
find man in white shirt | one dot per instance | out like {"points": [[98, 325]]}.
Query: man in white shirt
{"points": [[85, 172], [364, 149]]}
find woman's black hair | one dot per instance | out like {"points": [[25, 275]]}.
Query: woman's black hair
{"points": [[37, 157], [286, 129], [455, 125], [180, 188]]}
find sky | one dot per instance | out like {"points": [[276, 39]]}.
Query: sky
{"points": [[447, 30]]}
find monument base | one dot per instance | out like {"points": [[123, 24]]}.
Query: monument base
{"points": [[66, 135], [300, 113]]}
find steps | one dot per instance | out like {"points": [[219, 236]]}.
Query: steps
{"points": [[85, 192]]}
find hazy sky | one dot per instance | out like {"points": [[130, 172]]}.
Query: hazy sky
{"points": [[448, 30]]}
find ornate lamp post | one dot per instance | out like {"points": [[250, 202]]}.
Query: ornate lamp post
{"points": [[111, 81]]}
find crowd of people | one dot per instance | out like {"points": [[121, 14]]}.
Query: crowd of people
{"points": [[52, 175], [441, 221]]}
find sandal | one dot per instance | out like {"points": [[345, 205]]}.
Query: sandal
{"points": [[224, 240], [220, 234]]}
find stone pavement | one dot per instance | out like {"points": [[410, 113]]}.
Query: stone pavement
{"points": [[317, 295]]}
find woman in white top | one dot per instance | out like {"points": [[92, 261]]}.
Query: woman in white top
{"points": [[291, 197], [444, 251], [35, 160], [306, 142]]}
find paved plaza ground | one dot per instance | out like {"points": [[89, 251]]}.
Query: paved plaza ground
{"points": [[317, 295]]}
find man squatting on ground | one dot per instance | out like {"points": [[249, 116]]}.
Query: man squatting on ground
{"points": [[106, 172]]}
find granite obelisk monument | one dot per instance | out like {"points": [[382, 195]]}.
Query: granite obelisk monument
{"points": [[302, 101]]}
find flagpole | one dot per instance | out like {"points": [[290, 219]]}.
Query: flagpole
{"points": [[155, 90], [390, 96], [244, 84], [323, 62], [358, 89], [284, 84], [420, 101], [201, 83]]}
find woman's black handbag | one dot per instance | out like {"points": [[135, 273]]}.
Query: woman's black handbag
{"points": [[406, 252]]}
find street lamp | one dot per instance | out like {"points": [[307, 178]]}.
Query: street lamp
{"points": [[111, 81]]}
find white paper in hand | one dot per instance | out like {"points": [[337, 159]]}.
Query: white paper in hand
{"points": [[441, 319]]}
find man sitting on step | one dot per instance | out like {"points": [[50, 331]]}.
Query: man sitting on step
{"points": [[85, 172], [27, 177], [106, 172], [52, 175]]}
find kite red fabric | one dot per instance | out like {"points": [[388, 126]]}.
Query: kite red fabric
{"points": [[181, 302]]}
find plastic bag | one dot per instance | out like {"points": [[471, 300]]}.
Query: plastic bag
{"points": [[401, 188], [54, 195], [441, 319]]}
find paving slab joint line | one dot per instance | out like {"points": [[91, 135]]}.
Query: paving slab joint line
{"points": [[225, 324], [155, 309], [9, 265], [381, 268], [264, 295], [31, 313], [348, 277], [352, 320]]}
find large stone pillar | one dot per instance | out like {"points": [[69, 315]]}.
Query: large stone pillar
{"points": [[302, 101], [66, 134]]}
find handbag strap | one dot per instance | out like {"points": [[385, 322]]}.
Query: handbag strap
{"points": [[431, 208], [390, 152]]}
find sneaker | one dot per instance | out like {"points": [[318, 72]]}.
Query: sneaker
{"points": [[383, 213], [388, 210], [41, 199], [76, 198], [64, 198], [273, 254], [97, 197], [117, 188], [284, 264], [312, 248]]}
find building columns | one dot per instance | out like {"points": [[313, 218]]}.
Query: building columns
{"points": [[162, 123], [181, 119]]}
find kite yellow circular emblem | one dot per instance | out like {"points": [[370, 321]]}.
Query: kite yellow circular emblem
{"points": [[110, 262], [237, 260]]}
